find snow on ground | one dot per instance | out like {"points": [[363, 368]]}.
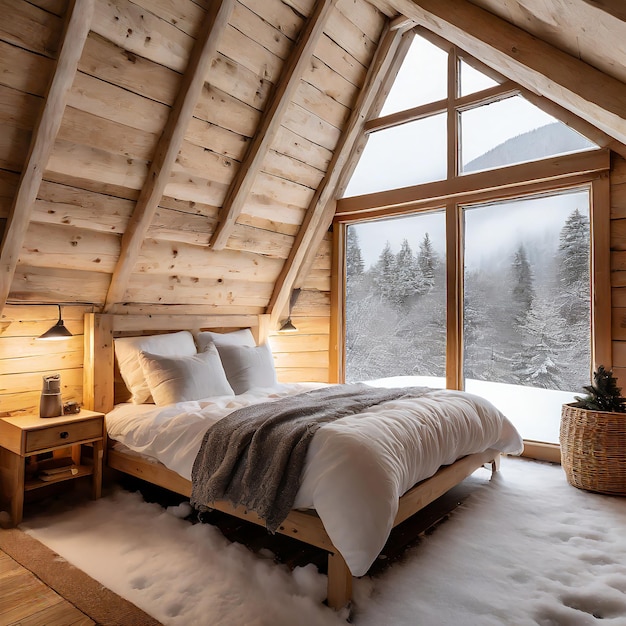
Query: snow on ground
{"points": [[524, 548]]}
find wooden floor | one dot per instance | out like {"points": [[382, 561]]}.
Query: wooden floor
{"points": [[27, 601]]}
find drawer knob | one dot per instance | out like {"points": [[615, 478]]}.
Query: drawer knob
{"points": [[64, 434]]}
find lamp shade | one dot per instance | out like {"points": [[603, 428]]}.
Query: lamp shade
{"points": [[56, 332], [287, 327]]}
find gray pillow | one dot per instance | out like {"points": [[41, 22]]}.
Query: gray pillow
{"points": [[241, 337], [248, 366], [179, 379]]}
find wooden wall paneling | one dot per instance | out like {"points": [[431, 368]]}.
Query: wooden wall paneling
{"points": [[8, 185], [251, 55], [75, 180], [36, 284], [61, 204], [168, 146], [222, 109], [336, 58], [618, 266], [270, 122], [106, 61], [365, 16], [281, 165], [184, 14], [74, 35], [190, 188], [327, 79], [89, 130], [280, 15], [205, 163], [117, 104], [299, 374], [14, 147], [265, 242], [304, 360], [267, 224], [29, 27], [263, 32], [23, 359], [28, 356], [239, 82], [143, 33], [29, 321], [58, 7], [94, 164], [18, 108], [202, 133], [174, 289], [282, 191], [291, 144], [57, 246], [311, 127], [24, 70], [180, 259], [261, 206], [315, 100], [351, 38], [618, 170]]}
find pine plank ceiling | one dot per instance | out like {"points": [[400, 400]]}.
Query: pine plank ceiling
{"points": [[187, 152]]}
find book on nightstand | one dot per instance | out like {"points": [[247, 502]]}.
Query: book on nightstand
{"points": [[56, 468]]}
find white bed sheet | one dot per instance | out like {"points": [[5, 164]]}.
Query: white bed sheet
{"points": [[356, 468]]}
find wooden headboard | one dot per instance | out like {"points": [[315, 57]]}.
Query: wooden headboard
{"points": [[101, 329]]}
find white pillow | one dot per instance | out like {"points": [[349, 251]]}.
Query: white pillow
{"points": [[127, 351], [248, 366], [241, 337], [183, 378]]}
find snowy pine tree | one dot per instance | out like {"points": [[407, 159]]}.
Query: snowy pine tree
{"points": [[407, 281], [354, 259], [427, 262], [384, 274], [523, 293], [574, 259]]}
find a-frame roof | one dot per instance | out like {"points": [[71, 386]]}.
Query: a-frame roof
{"points": [[162, 153]]}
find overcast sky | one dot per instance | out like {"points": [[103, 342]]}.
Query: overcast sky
{"points": [[416, 153]]}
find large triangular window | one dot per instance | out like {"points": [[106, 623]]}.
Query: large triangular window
{"points": [[411, 140]]}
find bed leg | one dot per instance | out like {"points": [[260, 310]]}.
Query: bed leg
{"points": [[339, 582], [495, 464]]}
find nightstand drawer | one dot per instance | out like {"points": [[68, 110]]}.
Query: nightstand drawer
{"points": [[63, 434]]}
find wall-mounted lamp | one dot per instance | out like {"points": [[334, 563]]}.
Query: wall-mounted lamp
{"points": [[287, 326], [56, 332]]}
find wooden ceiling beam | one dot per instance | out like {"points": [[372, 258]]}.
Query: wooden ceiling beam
{"points": [[77, 25], [534, 64], [284, 92], [320, 212], [168, 147]]}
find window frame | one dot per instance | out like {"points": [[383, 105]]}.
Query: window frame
{"points": [[590, 168]]}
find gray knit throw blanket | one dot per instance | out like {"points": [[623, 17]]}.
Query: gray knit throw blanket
{"points": [[254, 456]]}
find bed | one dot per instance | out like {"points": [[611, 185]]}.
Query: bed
{"points": [[141, 446]]}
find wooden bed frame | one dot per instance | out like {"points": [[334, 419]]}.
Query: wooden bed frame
{"points": [[306, 526]]}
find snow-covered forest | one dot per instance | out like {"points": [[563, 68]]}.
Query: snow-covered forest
{"points": [[526, 321]]}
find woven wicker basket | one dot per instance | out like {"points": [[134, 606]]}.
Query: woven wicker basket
{"points": [[593, 449]]}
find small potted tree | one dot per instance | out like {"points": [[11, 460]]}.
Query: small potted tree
{"points": [[593, 437]]}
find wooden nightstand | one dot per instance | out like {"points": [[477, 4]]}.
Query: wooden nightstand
{"points": [[29, 435]]}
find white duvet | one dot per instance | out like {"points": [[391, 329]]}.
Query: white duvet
{"points": [[357, 467]]}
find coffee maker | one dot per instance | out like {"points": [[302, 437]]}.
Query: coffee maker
{"points": [[51, 404]]}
